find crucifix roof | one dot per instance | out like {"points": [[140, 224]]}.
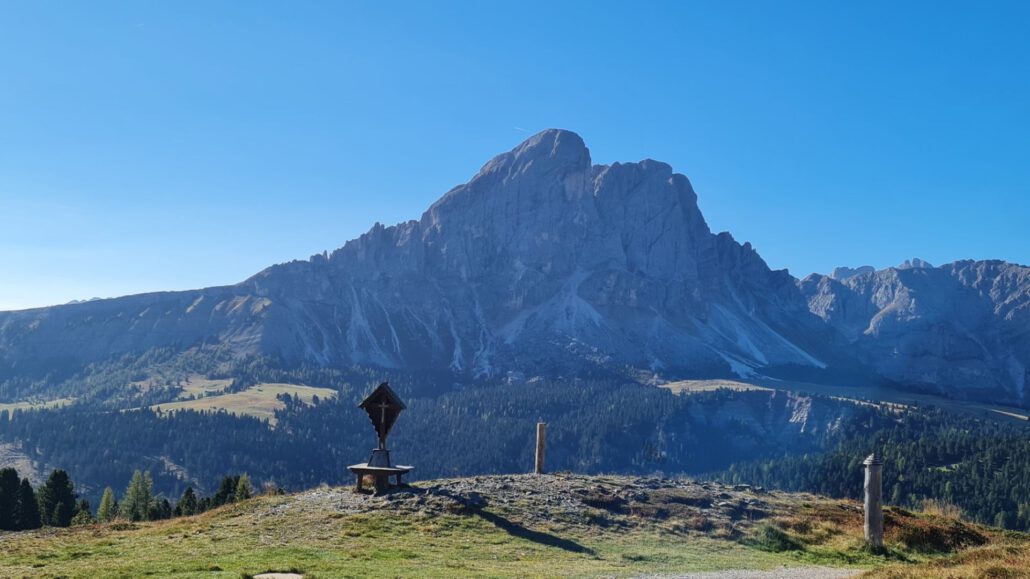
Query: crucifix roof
{"points": [[383, 406]]}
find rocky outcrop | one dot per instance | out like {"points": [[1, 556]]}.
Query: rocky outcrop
{"points": [[843, 273]]}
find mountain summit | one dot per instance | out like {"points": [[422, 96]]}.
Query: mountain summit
{"points": [[544, 263]]}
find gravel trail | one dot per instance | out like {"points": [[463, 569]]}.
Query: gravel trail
{"points": [[782, 573]]}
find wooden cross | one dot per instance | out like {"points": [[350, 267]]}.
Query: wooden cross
{"points": [[382, 422]]}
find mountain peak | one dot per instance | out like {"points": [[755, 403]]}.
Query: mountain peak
{"points": [[549, 151], [553, 143], [915, 263], [843, 273]]}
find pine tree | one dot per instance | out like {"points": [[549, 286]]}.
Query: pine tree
{"points": [[226, 491], [243, 489], [163, 510], [139, 497], [57, 500], [28, 508], [61, 515], [108, 509], [82, 517], [188, 503], [9, 488]]}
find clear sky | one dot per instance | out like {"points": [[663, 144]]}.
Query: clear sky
{"points": [[171, 145]]}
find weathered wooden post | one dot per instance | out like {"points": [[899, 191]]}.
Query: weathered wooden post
{"points": [[541, 442], [874, 500]]}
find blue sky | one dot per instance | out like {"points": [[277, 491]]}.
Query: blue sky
{"points": [[171, 145]]}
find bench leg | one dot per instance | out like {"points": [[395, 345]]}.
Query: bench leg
{"points": [[357, 485]]}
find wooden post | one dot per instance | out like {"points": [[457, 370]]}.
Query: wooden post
{"points": [[874, 500], [541, 442]]}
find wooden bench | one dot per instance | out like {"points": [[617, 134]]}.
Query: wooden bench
{"points": [[380, 474]]}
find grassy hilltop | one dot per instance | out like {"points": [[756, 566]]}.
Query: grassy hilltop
{"points": [[552, 525]]}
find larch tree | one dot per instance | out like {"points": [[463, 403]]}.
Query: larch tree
{"points": [[108, 508], [139, 497], [243, 489]]}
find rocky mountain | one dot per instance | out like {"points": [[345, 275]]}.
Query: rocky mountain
{"points": [[546, 264], [542, 262], [961, 328]]}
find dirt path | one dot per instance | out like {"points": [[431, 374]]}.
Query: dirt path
{"points": [[782, 573]]}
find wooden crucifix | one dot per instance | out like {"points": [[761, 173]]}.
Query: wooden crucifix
{"points": [[382, 406]]}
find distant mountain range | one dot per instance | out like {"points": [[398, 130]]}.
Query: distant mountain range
{"points": [[544, 263], [962, 328]]}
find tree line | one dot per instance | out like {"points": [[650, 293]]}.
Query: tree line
{"points": [[57, 504], [594, 426]]}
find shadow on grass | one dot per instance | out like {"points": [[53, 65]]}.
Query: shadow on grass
{"points": [[517, 530], [477, 506]]}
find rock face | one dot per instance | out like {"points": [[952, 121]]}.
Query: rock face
{"points": [[962, 328], [543, 260]]}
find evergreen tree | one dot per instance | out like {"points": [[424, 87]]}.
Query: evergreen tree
{"points": [[82, 518], [108, 509], [57, 500], [243, 489], [226, 491], [160, 510], [28, 508], [187, 504], [62, 516], [9, 488], [139, 497]]}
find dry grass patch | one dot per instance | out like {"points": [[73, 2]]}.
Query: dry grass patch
{"points": [[695, 386], [260, 401], [35, 404]]}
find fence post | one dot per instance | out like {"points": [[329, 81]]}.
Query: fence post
{"points": [[541, 442], [874, 500]]}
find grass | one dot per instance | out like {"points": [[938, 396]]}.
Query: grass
{"points": [[259, 401], [238, 540], [199, 387], [1009, 558], [35, 404], [306, 533]]}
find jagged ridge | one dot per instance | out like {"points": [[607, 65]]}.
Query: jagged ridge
{"points": [[544, 263], [541, 262]]}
